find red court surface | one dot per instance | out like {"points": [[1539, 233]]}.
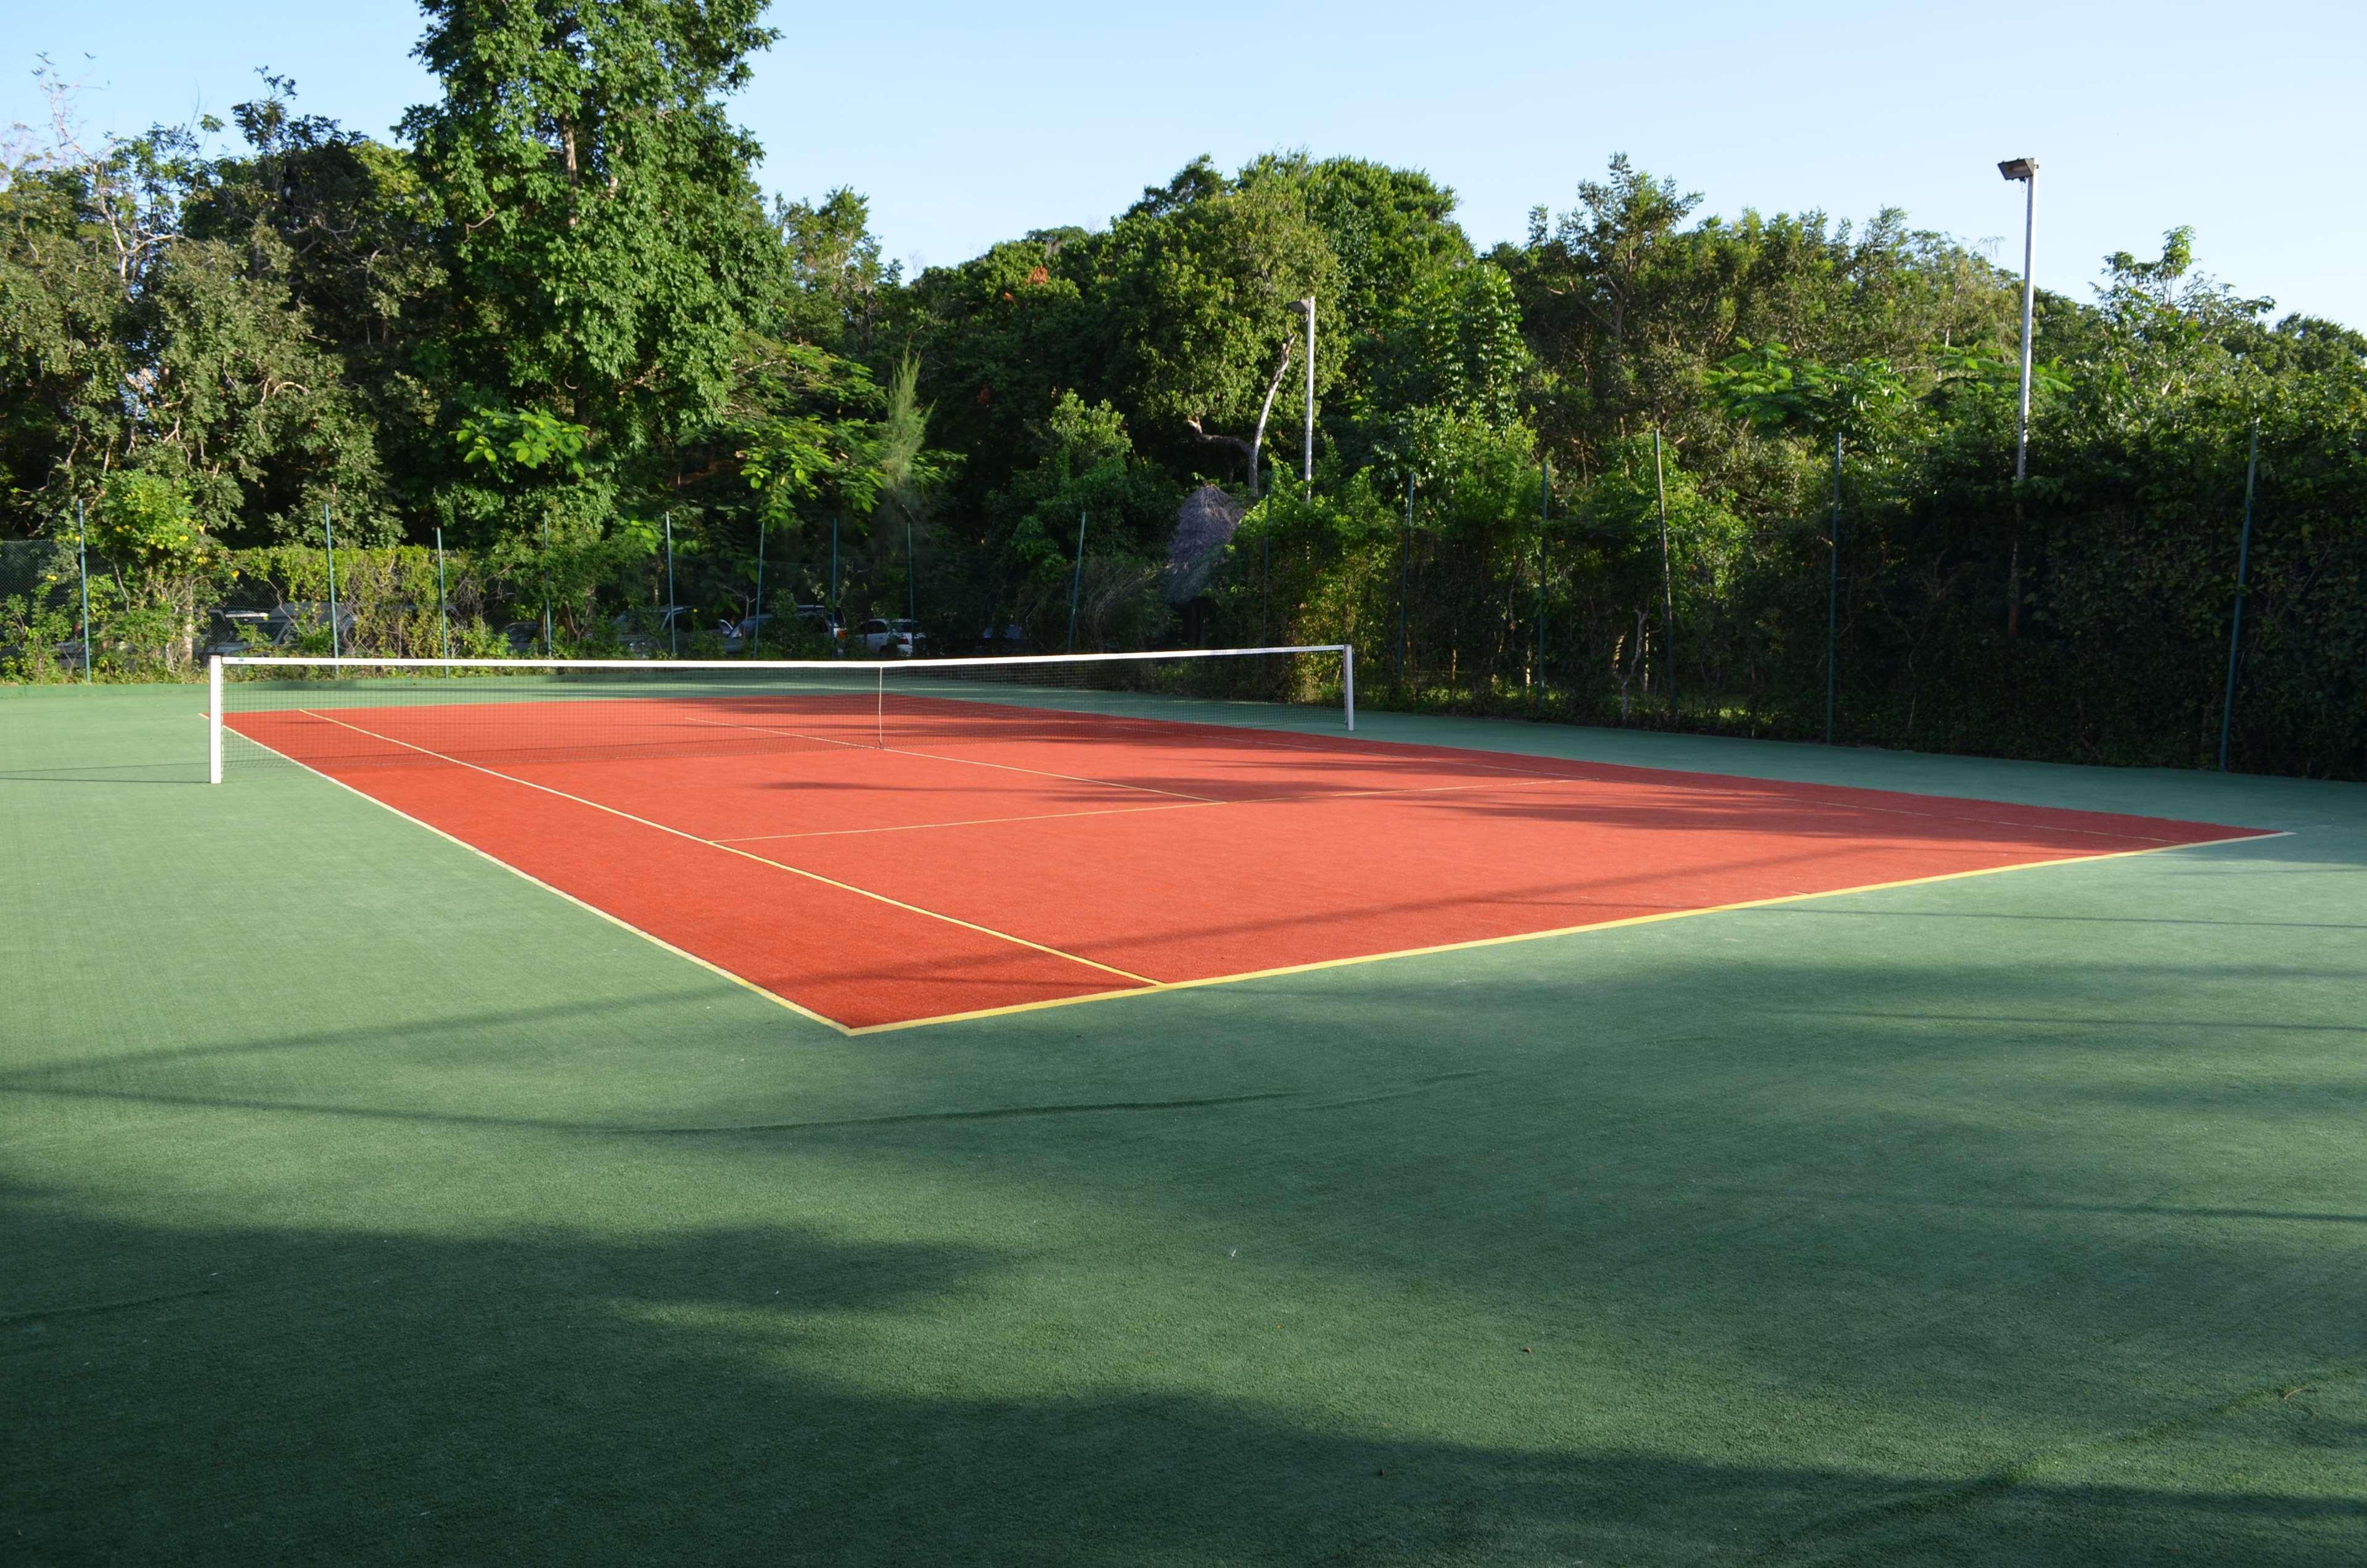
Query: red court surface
{"points": [[1016, 856]]}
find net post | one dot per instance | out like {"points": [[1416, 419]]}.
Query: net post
{"points": [[1348, 679], [213, 718]]}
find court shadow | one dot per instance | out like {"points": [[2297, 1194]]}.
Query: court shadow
{"points": [[128, 773], [752, 1394]]}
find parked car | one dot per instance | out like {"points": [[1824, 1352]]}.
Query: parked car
{"points": [[290, 621], [279, 628], [903, 639], [232, 631], [749, 630], [765, 631], [644, 633]]}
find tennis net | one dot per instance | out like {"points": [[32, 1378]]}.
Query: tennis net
{"points": [[488, 712]]}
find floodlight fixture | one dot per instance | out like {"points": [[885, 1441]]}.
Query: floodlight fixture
{"points": [[2024, 170]]}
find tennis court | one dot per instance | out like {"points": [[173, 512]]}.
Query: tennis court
{"points": [[371, 1203], [962, 849]]}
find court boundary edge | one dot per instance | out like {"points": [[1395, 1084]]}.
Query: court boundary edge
{"points": [[1167, 985], [1155, 987]]}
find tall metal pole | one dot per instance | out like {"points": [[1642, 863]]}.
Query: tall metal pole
{"points": [[1307, 456], [2026, 171], [672, 611], [1667, 580], [443, 614], [82, 552], [2243, 566], [1833, 591], [1076, 582], [329, 537], [911, 586], [2029, 298], [548, 649], [756, 633], [837, 631]]}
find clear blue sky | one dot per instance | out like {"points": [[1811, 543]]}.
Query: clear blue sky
{"points": [[966, 123]]}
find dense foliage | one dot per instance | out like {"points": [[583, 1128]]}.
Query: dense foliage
{"points": [[1622, 471]]}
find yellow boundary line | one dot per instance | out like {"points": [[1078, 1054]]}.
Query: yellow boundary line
{"points": [[1154, 987], [1540, 936]]}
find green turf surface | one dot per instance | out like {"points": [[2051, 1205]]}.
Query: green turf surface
{"points": [[366, 1204]]}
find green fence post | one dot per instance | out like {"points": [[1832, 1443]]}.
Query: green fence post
{"points": [[329, 539], [1076, 582], [443, 614], [756, 634], [673, 611], [1668, 581], [1405, 555], [82, 556], [1833, 591], [550, 649], [2243, 567], [1544, 517]]}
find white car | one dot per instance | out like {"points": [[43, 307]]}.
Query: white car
{"points": [[900, 638]]}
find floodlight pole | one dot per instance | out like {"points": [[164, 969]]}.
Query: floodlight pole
{"points": [[837, 632], [1306, 452], [2026, 171], [674, 619]]}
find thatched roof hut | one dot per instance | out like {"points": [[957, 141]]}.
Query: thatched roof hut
{"points": [[1203, 528]]}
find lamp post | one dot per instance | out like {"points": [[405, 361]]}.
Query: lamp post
{"points": [[1306, 452], [2026, 171]]}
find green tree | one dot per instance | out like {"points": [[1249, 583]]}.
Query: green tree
{"points": [[1193, 291], [606, 243]]}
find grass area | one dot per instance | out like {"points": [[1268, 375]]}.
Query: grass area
{"points": [[366, 1204]]}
